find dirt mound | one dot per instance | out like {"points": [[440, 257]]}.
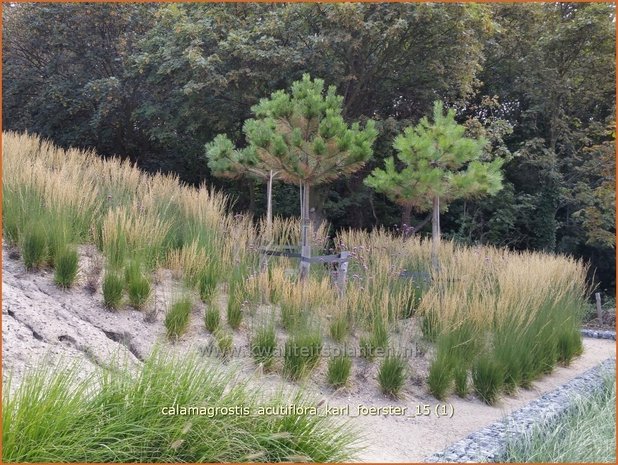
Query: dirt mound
{"points": [[40, 320]]}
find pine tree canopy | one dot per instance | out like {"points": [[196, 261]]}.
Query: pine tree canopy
{"points": [[303, 134], [437, 160], [226, 161]]}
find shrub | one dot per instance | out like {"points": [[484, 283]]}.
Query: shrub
{"points": [[392, 374], [113, 287], [488, 378], [138, 286], [302, 353], [56, 415], [66, 267], [339, 370], [440, 377], [212, 318], [33, 247], [177, 318], [235, 310], [339, 328], [263, 345]]}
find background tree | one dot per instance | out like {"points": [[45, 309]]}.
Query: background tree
{"points": [[440, 165], [303, 136], [155, 82]]}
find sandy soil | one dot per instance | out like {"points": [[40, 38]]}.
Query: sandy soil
{"points": [[39, 320]]}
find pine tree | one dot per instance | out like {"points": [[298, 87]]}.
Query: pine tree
{"points": [[303, 137], [439, 166]]}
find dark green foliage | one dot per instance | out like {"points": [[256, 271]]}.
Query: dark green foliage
{"points": [[488, 378], [339, 370], [302, 353], [137, 284], [177, 318], [392, 374], [263, 345], [67, 262], [34, 246], [113, 288], [212, 318]]}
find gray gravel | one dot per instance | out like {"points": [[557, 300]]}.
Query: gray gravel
{"points": [[489, 444], [599, 334]]}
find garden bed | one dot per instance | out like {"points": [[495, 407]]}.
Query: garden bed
{"points": [[40, 319], [103, 261]]}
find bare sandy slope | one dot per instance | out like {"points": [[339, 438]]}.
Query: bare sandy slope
{"points": [[39, 320]]}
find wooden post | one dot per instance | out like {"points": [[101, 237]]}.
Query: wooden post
{"points": [[597, 296], [342, 273]]}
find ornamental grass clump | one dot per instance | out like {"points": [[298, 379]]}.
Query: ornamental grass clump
{"points": [[207, 281], [113, 289], [137, 284], [34, 246], [225, 342], [440, 377], [235, 310], [136, 415], [460, 376], [339, 370], [302, 353], [392, 374], [212, 318], [339, 328], [67, 263], [57, 240], [264, 345], [177, 318], [367, 347], [488, 378]]}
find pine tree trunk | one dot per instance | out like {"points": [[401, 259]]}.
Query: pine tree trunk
{"points": [[304, 237], [406, 220], [435, 234], [269, 207]]}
